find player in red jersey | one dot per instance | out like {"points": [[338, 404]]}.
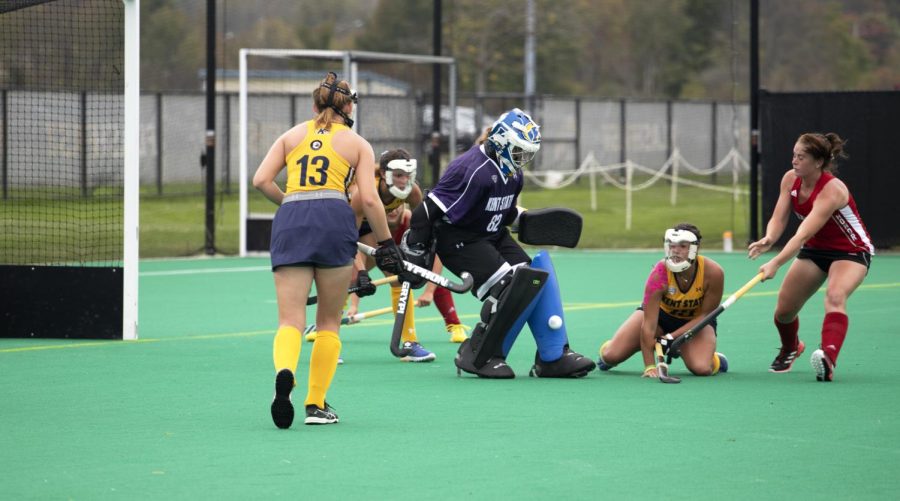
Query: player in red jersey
{"points": [[831, 243]]}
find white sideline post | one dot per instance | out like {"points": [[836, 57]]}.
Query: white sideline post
{"points": [[673, 194], [629, 173], [131, 154]]}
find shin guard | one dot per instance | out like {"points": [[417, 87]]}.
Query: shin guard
{"points": [[286, 348], [323, 362]]}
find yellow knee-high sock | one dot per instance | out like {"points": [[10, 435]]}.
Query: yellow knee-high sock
{"points": [[716, 364], [286, 348], [409, 323], [322, 363]]}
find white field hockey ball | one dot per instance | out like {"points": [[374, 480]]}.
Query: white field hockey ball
{"points": [[554, 322]]}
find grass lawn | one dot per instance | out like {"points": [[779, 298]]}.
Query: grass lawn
{"points": [[174, 226]]}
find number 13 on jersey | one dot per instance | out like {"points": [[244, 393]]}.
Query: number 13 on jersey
{"points": [[319, 163]]}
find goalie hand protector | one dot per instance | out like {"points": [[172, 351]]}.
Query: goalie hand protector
{"points": [[550, 226]]}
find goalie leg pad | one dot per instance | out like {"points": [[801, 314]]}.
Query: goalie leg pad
{"points": [[551, 226], [553, 357], [550, 342], [508, 304]]}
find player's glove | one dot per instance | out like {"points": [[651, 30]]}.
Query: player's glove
{"points": [[388, 257], [667, 342], [363, 284]]}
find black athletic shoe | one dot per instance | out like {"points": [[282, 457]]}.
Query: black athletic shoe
{"points": [[282, 408], [495, 368], [571, 364], [315, 415], [786, 358]]}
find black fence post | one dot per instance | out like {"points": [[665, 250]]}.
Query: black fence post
{"points": [[226, 157], [5, 160], [578, 134], [622, 137], [159, 144], [84, 180], [714, 138]]}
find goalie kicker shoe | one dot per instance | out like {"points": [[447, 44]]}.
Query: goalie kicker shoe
{"points": [[282, 408], [315, 415], [571, 364], [495, 368], [786, 358]]}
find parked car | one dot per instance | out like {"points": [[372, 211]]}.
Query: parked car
{"points": [[466, 129]]}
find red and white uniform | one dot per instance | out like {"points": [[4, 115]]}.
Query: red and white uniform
{"points": [[844, 231]]}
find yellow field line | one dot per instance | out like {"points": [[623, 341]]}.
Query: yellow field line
{"points": [[567, 307]]}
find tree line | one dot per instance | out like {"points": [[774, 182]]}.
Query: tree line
{"points": [[654, 49]]}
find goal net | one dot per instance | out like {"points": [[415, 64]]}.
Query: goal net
{"points": [[394, 111], [68, 155]]}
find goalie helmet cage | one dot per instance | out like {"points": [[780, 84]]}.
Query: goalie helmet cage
{"points": [[69, 149], [271, 101]]}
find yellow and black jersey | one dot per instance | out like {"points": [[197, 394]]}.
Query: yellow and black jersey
{"points": [[680, 304], [393, 204], [314, 165]]}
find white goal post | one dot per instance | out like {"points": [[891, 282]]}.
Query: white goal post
{"points": [[131, 154], [285, 89]]}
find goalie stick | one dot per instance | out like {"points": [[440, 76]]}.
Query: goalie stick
{"points": [[459, 288], [399, 319]]}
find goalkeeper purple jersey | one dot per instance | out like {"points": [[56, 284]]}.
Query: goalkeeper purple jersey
{"points": [[474, 194]]}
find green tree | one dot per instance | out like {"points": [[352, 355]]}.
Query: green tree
{"points": [[172, 47]]}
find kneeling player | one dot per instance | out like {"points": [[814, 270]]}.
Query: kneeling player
{"points": [[681, 290]]}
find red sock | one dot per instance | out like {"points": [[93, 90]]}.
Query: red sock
{"points": [[443, 299], [788, 333], [834, 330]]}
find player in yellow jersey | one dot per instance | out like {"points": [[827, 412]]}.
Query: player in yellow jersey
{"points": [[682, 289], [314, 239], [395, 181]]}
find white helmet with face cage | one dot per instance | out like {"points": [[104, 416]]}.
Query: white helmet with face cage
{"points": [[674, 236]]}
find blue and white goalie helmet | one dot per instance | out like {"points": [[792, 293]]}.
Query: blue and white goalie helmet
{"points": [[515, 138]]}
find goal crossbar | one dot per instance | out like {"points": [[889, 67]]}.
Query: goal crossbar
{"points": [[350, 60]]}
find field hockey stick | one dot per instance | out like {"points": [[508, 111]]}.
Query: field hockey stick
{"points": [[675, 349], [459, 288], [399, 320], [352, 290], [662, 368], [352, 319]]}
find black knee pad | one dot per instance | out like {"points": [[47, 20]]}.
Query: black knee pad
{"points": [[505, 303], [494, 296]]}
